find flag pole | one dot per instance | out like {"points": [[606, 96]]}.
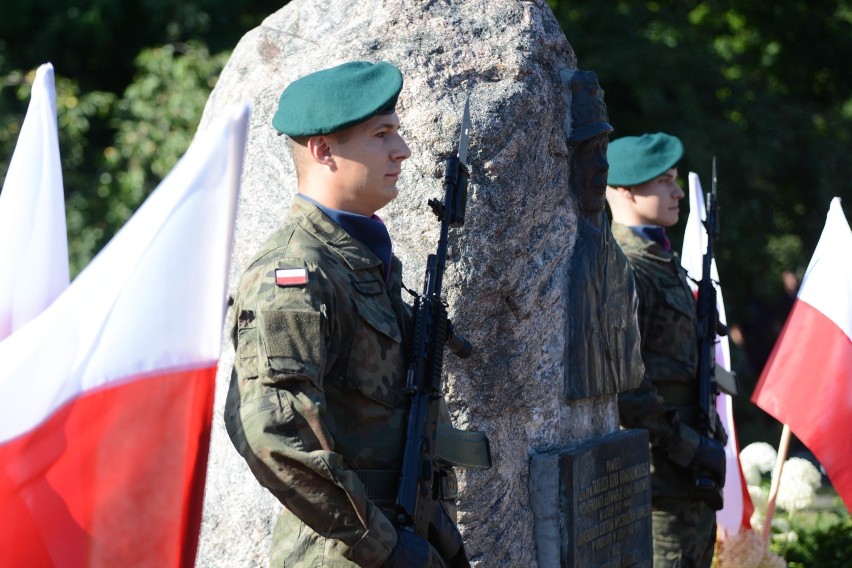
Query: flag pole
{"points": [[783, 446]]}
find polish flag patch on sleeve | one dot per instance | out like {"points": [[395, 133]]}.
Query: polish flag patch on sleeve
{"points": [[291, 276]]}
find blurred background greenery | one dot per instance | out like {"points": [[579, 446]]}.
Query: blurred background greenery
{"points": [[764, 87], [132, 79]]}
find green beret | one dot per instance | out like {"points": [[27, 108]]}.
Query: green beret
{"points": [[633, 160], [334, 99]]}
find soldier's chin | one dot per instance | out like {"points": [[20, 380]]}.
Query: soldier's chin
{"points": [[391, 194]]}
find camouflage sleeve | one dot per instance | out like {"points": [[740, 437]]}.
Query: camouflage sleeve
{"points": [[275, 412], [643, 407]]}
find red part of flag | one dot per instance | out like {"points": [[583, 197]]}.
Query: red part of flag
{"points": [[807, 383], [77, 488]]}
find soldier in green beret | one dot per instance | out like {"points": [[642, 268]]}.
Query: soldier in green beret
{"points": [[315, 404], [643, 196]]}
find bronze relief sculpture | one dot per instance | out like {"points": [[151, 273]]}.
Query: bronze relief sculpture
{"points": [[602, 354]]}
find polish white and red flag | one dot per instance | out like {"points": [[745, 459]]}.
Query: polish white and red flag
{"points": [[106, 398], [807, 380], [33, 240], [738, 508]]}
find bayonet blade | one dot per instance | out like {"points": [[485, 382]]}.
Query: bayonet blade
{"points": [[464, 137], [713, 186], [713, 230]]}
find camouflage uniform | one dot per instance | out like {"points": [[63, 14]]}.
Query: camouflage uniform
{"points": [[315, 404], [666, 403]]}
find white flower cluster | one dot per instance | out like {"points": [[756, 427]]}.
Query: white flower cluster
{"points": [[799, 481], [757, 459], [797, 489]]}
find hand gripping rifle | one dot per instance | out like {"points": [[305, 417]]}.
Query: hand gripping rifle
{"points": [[431, 446], [711, 378]]}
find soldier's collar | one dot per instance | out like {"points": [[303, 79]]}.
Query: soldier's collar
{"points": [[352, 251], [656, 233], [628, 238]]}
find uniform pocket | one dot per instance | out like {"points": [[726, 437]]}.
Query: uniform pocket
{"points": [[294, 344], [679, 299], [375, 308], [671, 325], [376, 360]]}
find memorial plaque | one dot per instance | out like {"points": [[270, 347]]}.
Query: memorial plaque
{"points": [[604, 505]]}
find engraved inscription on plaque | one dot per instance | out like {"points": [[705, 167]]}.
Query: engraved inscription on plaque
{"points": [[605, 502]]}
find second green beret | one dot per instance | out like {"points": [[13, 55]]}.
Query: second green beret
{"points": [[334, 99], [633, 160]]}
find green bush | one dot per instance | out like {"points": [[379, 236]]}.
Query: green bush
{"points": [[825, 542]]}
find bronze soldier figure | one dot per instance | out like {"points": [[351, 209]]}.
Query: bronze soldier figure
{"points": [[603, 338]]}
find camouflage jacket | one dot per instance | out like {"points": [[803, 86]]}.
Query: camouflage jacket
{"points": [[315, 404], [666, 403]]}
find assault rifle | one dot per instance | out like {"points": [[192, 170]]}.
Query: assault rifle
{"points": [[431, 446], [711, 378]]}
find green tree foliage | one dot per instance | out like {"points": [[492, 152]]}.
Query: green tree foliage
{"points": [[96, 41], [131, 80], [153, 128]]}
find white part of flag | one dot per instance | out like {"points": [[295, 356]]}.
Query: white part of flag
{"points": [[153, 299], [829, 293], [33, 239]]}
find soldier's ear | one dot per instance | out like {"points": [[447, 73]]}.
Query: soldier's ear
{"points": [[627, 193], [320, 150], [620, 191]]}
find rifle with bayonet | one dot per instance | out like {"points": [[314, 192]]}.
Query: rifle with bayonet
{"points": [[431, 446], [711, 378]]}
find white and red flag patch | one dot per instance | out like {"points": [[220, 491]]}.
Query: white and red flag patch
{"points": [[291, 276]]}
